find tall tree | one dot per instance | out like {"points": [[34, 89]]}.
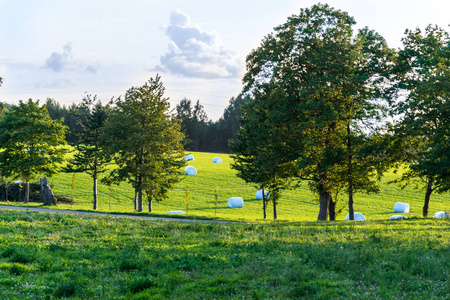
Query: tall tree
{"points": [[315, 66], [31, 143], [257, 147], [422, 71], [90, 156], [146, 142]]}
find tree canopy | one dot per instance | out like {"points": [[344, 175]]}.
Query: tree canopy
{"points": [[31, 143], [145, 141], [422, 72], [321, 80]]}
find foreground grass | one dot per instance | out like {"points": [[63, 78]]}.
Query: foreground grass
{"points": [[50, 256], [296, 205]]}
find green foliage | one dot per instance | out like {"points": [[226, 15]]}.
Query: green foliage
{"points": [[67, 114], [31, 142], [145, 142], [83, 257], [194, 122], [90, 157], [422, 71], [311, 83]]}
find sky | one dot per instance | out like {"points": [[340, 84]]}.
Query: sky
{"points": [[64, 49]]}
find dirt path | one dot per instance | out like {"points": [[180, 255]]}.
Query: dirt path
{"points": [[75, 212]]}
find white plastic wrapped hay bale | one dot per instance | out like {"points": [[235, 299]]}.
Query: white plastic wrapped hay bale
{"points": [[259, 194], [400, 207], [358, 217], [180, 212], [217, 160], [397, 217], [235, 202], [190, 170], [189, 157], [441, 214]]}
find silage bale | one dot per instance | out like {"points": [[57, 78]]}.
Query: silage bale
{"points": [[190, 170], [217, 160], [358, 217], [396, 217], [259, 195], [189, 157], [441, 214], [400, 207], [235, 202], [176, 212]]}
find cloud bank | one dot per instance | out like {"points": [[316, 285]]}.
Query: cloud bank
{"points": [[195, 53]]}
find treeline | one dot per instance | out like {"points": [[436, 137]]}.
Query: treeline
{"points": [[201, 133]]}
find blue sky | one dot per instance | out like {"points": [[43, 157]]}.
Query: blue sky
{"points": [[62, 49]]}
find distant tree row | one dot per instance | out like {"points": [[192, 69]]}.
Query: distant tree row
{"points": [[201, 133], [318, 93], [205, 135]]}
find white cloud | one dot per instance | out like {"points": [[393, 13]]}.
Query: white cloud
{"points": [[66, 61], [195, 53]]}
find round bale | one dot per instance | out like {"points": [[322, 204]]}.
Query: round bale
{"points": [[358, 217], [400, 207], [259, 195], [235, 202], [190, 170]]}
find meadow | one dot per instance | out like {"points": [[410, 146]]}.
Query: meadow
{"points": [[295, 205], [56, 256], [59, 256]]}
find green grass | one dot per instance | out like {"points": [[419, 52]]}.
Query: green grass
{"points": [[298, 205], [54, 256]]}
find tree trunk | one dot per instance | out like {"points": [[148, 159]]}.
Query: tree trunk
{"points": [[332, 209], [264, 204], [140, 208], [324, 199], [135, 199], [351, 212], [27, 192], [428, 196], [275, 215], [141, 164], [150, 203], [46, 191], [95, 193]]}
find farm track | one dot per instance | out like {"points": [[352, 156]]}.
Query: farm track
{"points": [[75, 212]]}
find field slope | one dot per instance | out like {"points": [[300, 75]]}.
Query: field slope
{"points": [[297, 205]]}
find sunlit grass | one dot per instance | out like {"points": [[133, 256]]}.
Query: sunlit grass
{"points": [[297, 205], [52, 256]]}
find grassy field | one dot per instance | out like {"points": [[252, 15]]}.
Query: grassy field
{"points": [[53, 256], [298, 205]]}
